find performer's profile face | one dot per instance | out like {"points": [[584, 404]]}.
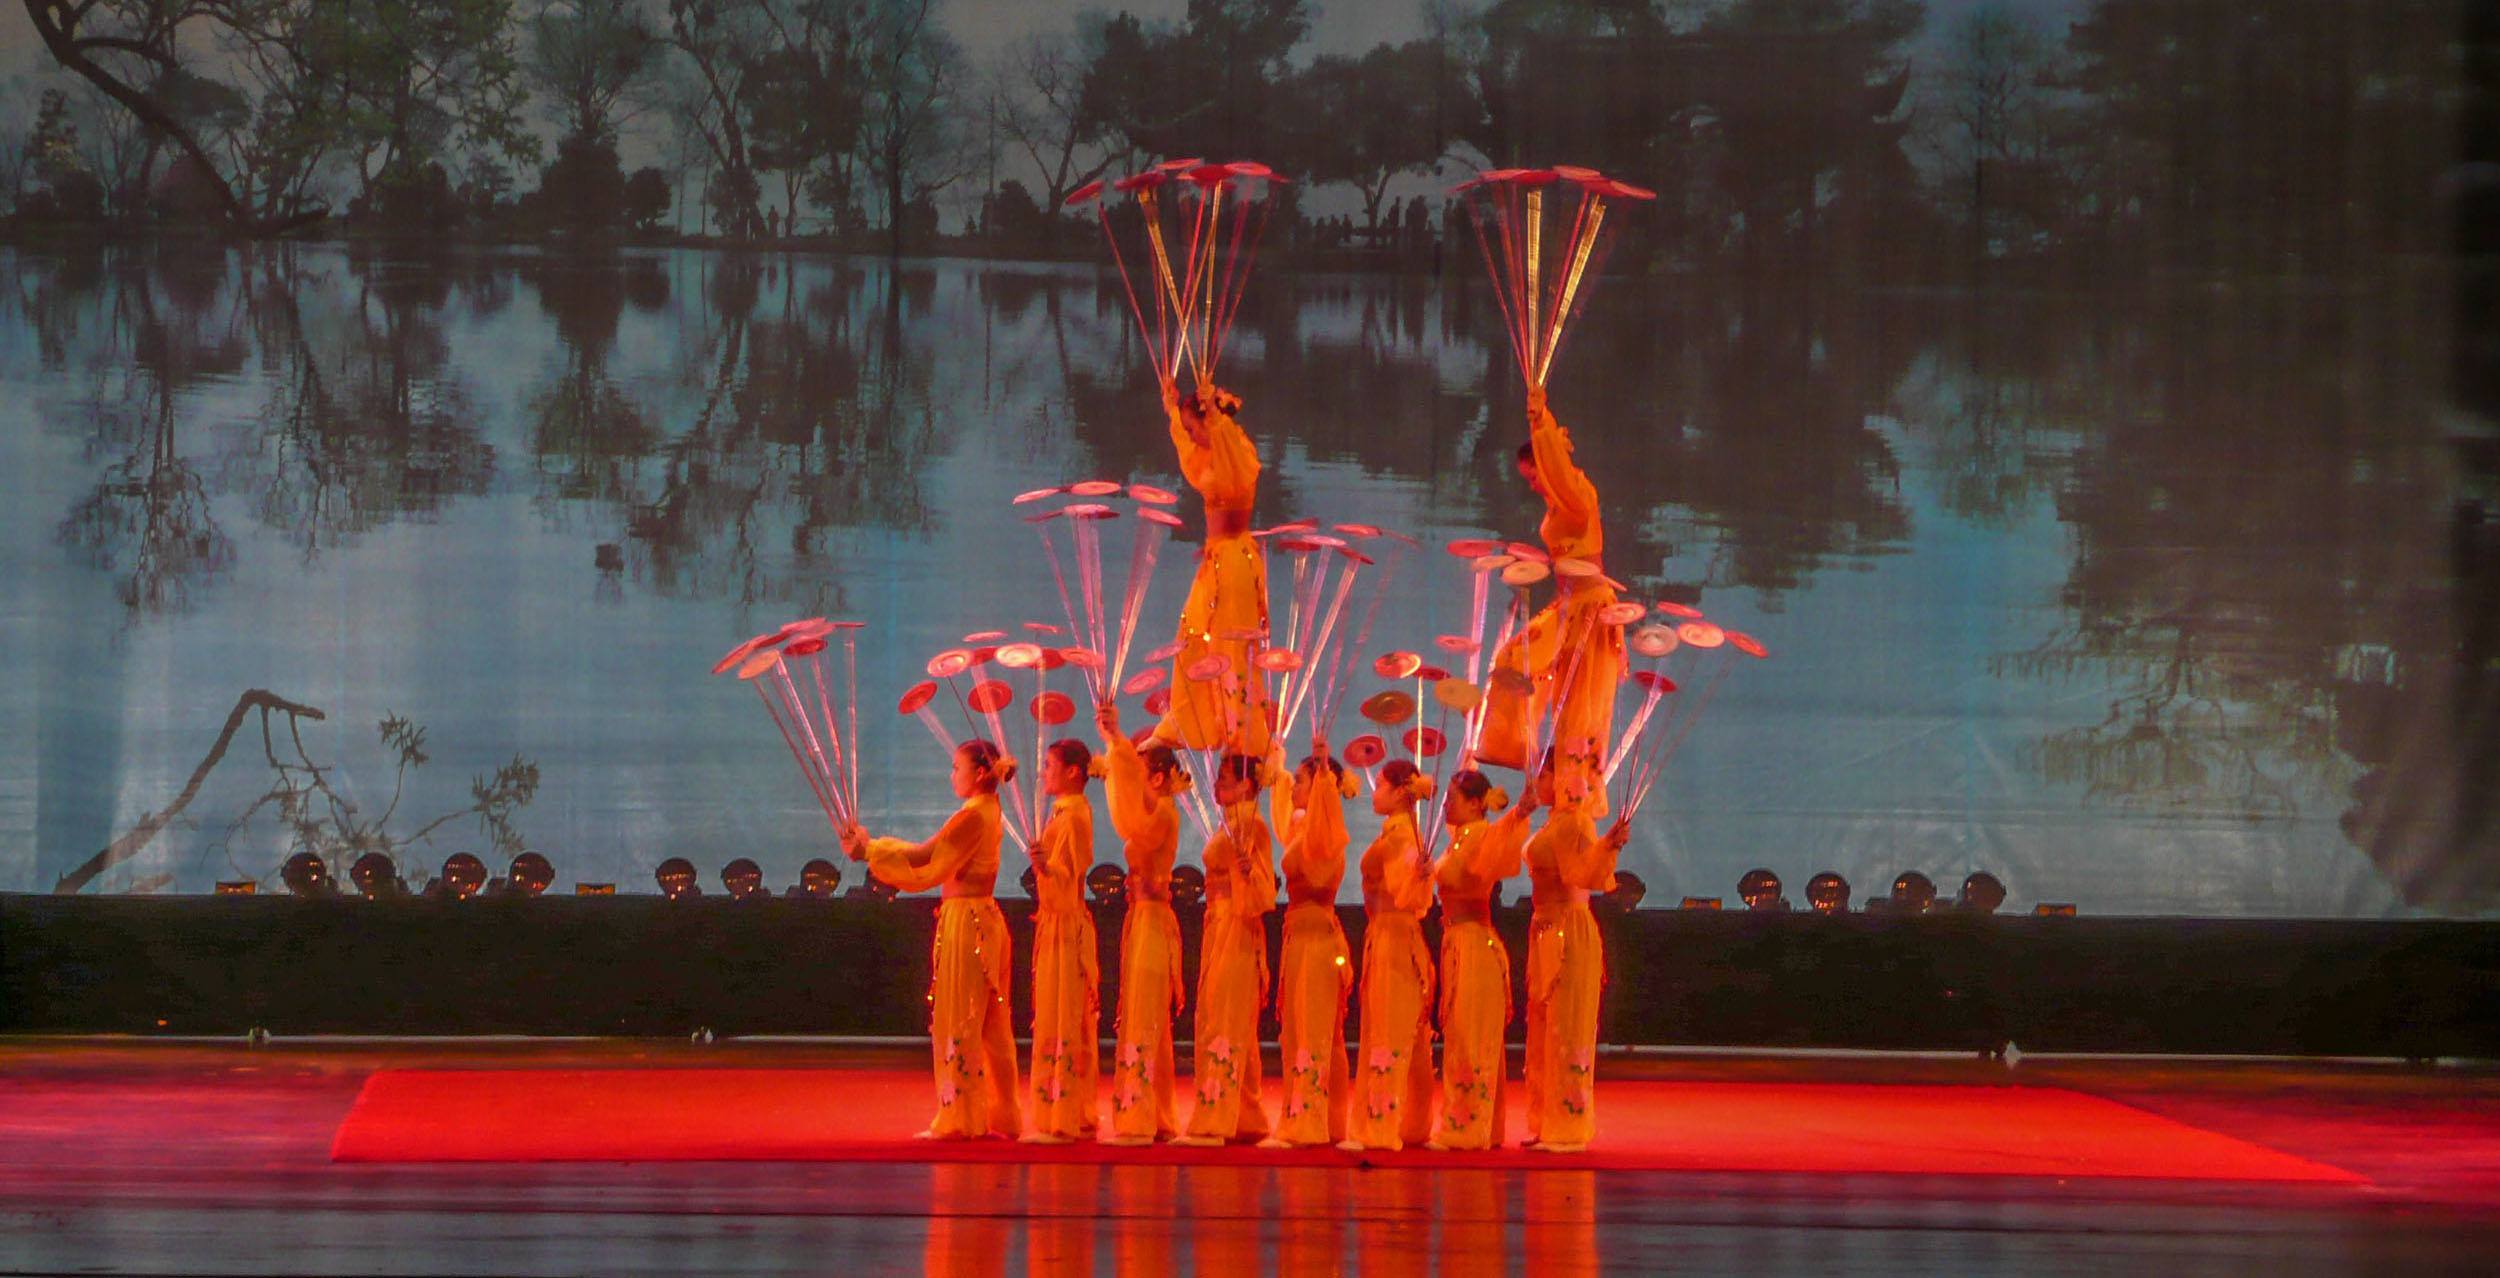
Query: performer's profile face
{"points": [[1527, 471], [967, 776]]}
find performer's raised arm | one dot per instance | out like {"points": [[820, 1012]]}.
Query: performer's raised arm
{"points": [[1568, 493]]}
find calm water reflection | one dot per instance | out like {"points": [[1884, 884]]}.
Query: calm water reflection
{"points": [[2146, 602]]}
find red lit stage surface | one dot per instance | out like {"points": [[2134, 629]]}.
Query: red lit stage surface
{"points": [[299, 1157]]}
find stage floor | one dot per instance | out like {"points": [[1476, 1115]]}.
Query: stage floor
{"points": [[185, 1158]]}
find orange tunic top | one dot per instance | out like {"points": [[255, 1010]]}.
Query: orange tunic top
{"points": [[1571, 528], [1315, 842], [1148, 825], [962, 856]]}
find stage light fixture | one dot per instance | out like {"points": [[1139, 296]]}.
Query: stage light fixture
{"points": [[529, 875], [237, 887], [818, 880], [676, 879], [1189, 885], [1699, 903], [2053, 910], [375, 877], [1107, 884], [594, 889], [1828, 893], [463, 876], [1629, 889], [1913, 893], [744, 879], [1981, 894], [1760, 891], [307, 875]]}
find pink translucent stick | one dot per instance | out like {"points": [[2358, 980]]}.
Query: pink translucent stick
{"points": [[824, 705], [1145, 547], [797, 706], [799, 756], [1319, 652]]}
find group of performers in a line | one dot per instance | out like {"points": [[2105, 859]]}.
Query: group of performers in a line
{"points": [[1386, 1095]]}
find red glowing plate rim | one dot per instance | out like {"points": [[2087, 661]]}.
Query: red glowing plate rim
{"points": [[1169, 166], [1153, 496], [989, 696], [1622, 612], [1684, 612], [1085, 194], [1533, 554], [1457, 694], [948, 664], [1043, 518], [1474, 547], [1388, 708], [1136, 182], [850, 625], [759, 663], [1158, 701], [1700, 634], [1366, 751], [1207, 669], [1052, 708], [1242, 634], [1426, 741], [1431, 673], [1458, 645], [985, 636], [1154, 515], [915, 697], [1052, 658], [1525, 572], [804, 647], [1651, 679], [1356, 530], [1044, 628], [1280, 660], [1575, 567], [1297, 545], [1397, 664], [1020, 656], [1575, 173], [1356, 555], [1490, 563], [745, 648], [1747, 644], [1031, 495], [1095, 488], [985, 654], [811, 628], [1146, 680], [1081, 657], [1166, 652], [1089, 510]]}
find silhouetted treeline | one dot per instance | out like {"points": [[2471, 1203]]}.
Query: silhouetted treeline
{"points": [[1869, 137]]}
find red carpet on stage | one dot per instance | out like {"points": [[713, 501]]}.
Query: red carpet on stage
{"points": [[869, 1115]]}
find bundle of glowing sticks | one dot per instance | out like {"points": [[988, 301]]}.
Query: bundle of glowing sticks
{"points": [[1089, 618], [1675, 645], [1196, 229], [983, 705], [1538, 274], [821, 731]]}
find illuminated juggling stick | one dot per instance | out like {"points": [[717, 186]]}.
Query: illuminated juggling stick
{"points": [[1347, 652], [1153, 527], [947, 666], [755, 670], [915, 701], [988, 697], [1508, 209], [1366, 752], [1655, 643], [1030, 656], [1083, 517], [1703, 636], [1326, 640], [1196, 280]]}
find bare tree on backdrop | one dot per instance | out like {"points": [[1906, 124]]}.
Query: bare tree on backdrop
{"points": [[911, 141], [311, 813], [1039, 103], [1366, 120], [590, 60], [1994, 123]]}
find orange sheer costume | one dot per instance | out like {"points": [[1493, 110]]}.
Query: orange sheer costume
{"points": [[1567, 860], [1314, 974], [1226, 612], [1573, 660], [1475, 980], [1232, 980], [1151, 992], [1067, 981], [970, 963], [1393, 1064]]}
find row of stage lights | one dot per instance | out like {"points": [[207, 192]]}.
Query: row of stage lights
{"points": [[530, 874]]}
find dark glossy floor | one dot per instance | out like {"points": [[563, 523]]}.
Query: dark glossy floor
{"points": [[151, 1158]]}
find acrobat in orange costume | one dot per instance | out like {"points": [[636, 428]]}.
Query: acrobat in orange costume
{"points": [[1393, 1080], [1067, 982], [1151, 992], [970, 962], [1475, 965], [1314, 974], [1232, 966], [1226, 612], [1567, 860], [1573, 659]]}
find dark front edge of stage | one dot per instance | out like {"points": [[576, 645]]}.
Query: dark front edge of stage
{"points": [[643, 966]]}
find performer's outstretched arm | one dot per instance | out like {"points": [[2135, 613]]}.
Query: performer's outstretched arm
{"points": [[917, 867]]}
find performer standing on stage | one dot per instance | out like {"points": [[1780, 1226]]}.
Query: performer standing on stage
{"points": [[1226, 612], [1392, 1105], [969, 1035], [1475, 966], [1139, 786], [1067, 986], [1314, 974], [1574, 660], [1567, 860], [1232, 964]]}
